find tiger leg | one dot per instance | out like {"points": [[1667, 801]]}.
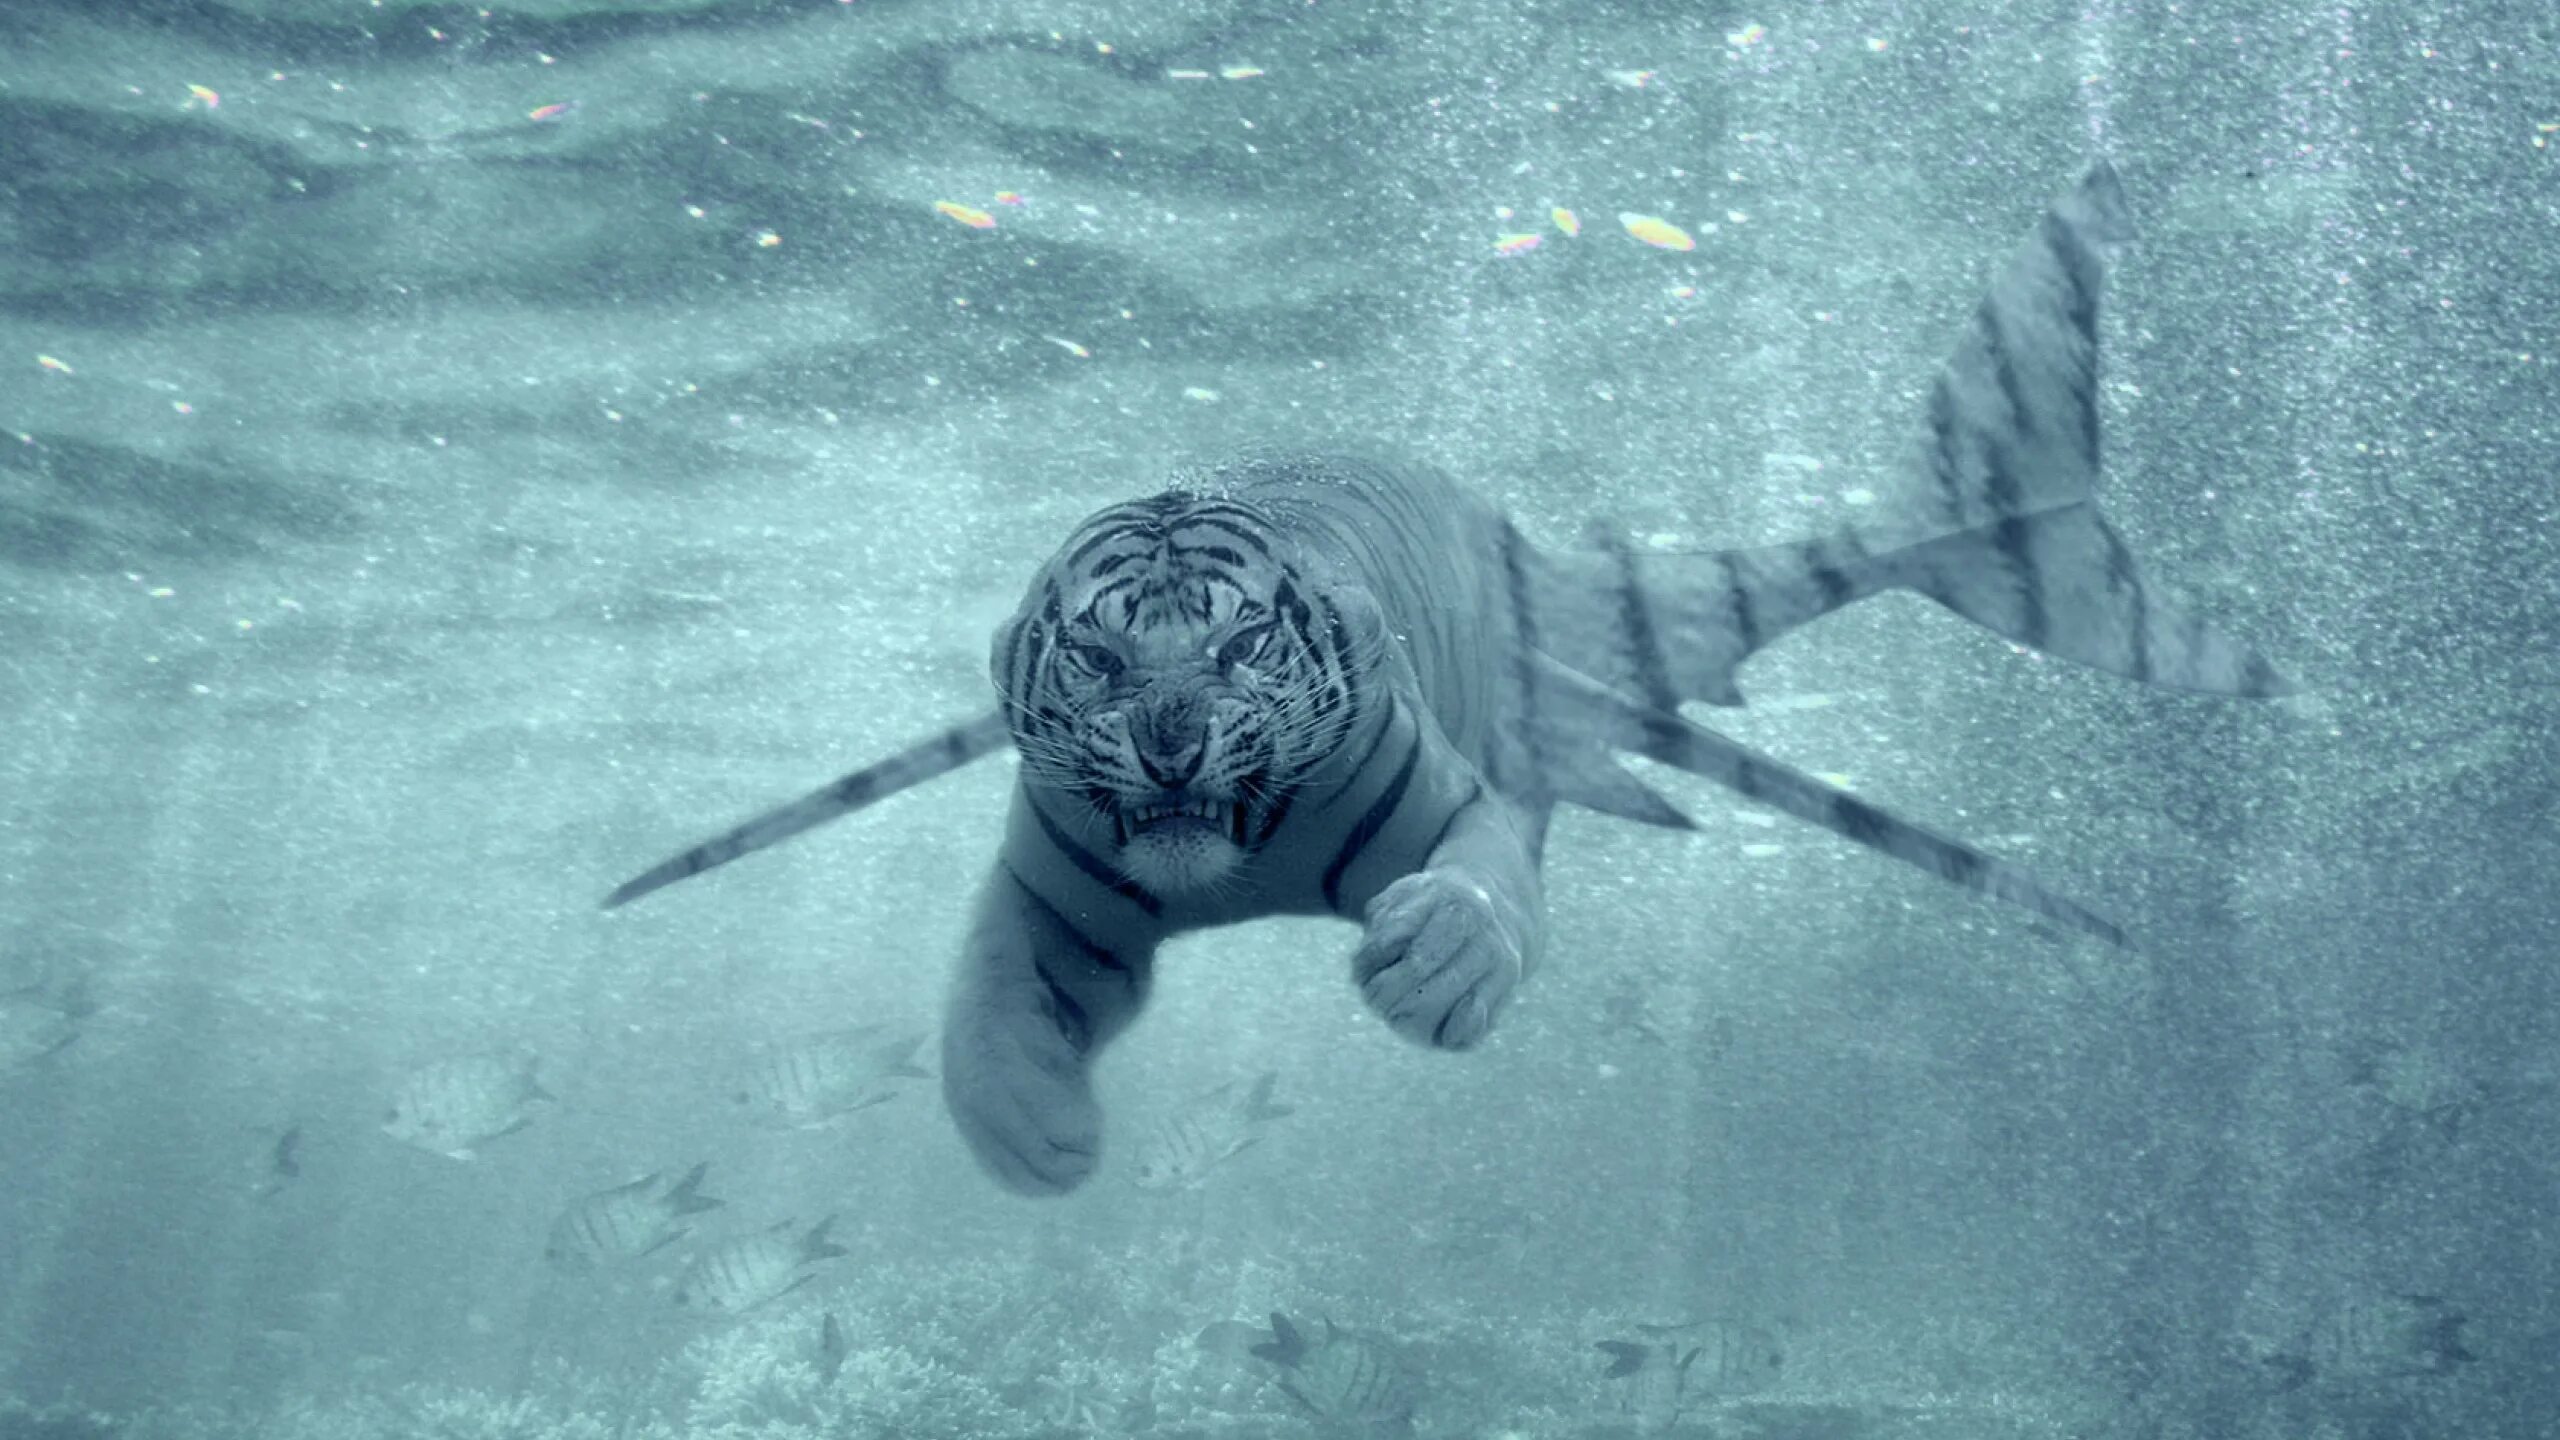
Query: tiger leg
{"points": [[1033, 1000], [1444, 947]]}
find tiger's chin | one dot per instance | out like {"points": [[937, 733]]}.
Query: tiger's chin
{"points": [[1176, 850]]}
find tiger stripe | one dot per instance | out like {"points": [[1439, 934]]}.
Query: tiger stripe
{"points": [[1371, 821], [1067, 1012], [1635, 621], [1093, 866]]}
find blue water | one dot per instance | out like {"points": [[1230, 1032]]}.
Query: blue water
{"points": [[451, 458]]}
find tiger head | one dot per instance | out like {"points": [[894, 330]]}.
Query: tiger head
{"points": [[1173, 669]]}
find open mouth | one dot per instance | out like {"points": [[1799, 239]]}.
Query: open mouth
{"points": [[1223, 817]]}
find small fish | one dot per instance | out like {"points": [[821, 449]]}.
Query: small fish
{"points": [[2379, 1337], [1341, 1378], [204, 95], [1073, 1402], [831, 1349], [1566, 221], [281, 1163], [738, 1275], [1520, 244], [969, 215], [2417, 1081], [540, 113], [1184, 1147], [1480, 1243], [818, 1079], [1736, 1357], [34, 1023], [1231, 1339], [452, 1105], [1624, 1013], [627, 1221], [1657, 1379], [1656, 232]]}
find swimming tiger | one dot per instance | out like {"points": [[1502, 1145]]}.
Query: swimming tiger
{"points": [[1332, 684]]}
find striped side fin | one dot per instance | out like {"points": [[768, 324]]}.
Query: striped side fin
{"points": [[912, 766], [1597, 712]]}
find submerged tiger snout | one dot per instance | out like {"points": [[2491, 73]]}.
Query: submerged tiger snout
{"points": [[1178, 768], [1169, 753], [1168, 734]]}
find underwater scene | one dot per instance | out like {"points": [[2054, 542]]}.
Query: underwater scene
{"points": [[824, 719]]}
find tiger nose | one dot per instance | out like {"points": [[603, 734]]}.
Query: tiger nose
{"points": [[1171, 768]]}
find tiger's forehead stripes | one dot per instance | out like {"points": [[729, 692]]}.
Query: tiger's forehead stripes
{"points": [[1177, 557], [1164, 598]]}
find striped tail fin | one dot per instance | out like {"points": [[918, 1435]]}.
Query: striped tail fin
{"points": [[2015, 542], [912, 766], [2000, 526], [2063, 582]]}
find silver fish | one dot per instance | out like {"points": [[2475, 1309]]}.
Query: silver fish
{"points": [[818, 1079], [280, 1163], [831, 1349], [2376, 1337], [2421, 1085], [1185, 1146], [1657, 1380], [1625, 1012], [1340, 1377], [1231, 1339], [738, 1275], [627, 1221], [35, 1021], [1738, 1358], [1734, 1357], [452, 1105], [1072, 1400]]}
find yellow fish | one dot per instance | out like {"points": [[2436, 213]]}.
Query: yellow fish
{"points": [[969, 215], [1657, 232]]}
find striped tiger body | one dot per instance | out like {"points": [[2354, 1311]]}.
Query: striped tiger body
{"points": [[1326, 684]]}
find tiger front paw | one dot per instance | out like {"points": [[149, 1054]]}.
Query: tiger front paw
{"points": [[1439, 958], [1030, 1118]]}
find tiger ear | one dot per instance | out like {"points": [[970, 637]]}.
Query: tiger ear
{"points": [[1000, 650]]}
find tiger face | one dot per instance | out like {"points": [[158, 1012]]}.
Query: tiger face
{"points": [[1172, 670]]}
